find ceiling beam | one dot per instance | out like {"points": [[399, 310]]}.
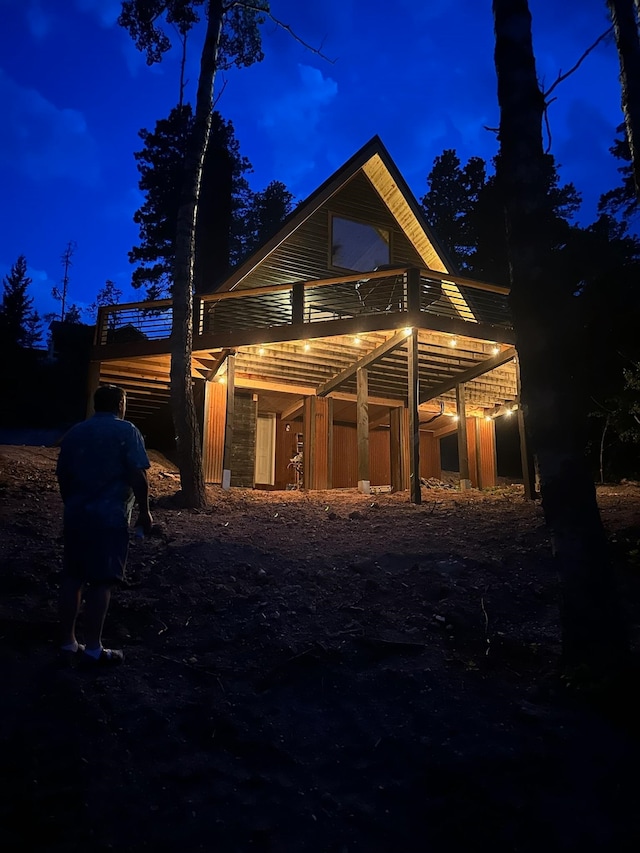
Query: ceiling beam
{"points": [[217, 363], [397, 340], [471, 373], [293, 411]]}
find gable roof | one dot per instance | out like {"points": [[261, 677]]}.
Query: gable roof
{"points": [[374, 161]]}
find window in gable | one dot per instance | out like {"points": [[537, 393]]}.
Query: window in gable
{"points": [[358, 245]]}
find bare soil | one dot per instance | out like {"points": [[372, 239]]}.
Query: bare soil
{"points": [[326, 672]]}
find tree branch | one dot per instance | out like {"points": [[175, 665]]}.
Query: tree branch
{"points": [[561, 77], [286, 27]]}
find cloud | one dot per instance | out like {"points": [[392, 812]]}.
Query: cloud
{"points": [[42, 140], [39, 21], [293, 119], [106, 11]]}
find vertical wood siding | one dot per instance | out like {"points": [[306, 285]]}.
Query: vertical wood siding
{"points": [[305, 254], [215, 401], [487, 451], [429, 456]]}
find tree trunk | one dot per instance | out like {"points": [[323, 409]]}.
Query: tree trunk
{"points": [[188, 439], [551, 358], [625, 26]]}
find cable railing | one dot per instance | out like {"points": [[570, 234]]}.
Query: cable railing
{"points": [[389, 292]]}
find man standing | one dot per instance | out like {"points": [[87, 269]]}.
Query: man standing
{"points": [[102, 471]]}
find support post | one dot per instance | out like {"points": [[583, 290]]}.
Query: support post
{"points": [[526, 457], [362, 404], [463, 450], [414, 419], [228, 431], [297, 304]]}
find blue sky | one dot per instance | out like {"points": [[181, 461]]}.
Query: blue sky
{"points": [[74, 93]]}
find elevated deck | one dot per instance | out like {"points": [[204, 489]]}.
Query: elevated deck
{"points": [[308, 337]]}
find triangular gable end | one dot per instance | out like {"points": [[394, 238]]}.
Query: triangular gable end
{"points": [[374, 162]]}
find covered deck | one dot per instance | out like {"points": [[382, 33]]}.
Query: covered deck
{"points": [[402, 356]]}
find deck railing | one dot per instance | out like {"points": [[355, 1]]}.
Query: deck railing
{"points": [[395, 291]]}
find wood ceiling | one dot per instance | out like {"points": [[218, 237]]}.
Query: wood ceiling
{"points": [[281, 374]]}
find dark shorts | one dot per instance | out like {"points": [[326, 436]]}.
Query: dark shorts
{"points": [[95, 556]]}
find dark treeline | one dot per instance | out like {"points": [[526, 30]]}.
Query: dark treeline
{"points": [[596, 269]]}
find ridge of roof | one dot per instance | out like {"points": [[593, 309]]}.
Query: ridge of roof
{"points": [[321, 195]]}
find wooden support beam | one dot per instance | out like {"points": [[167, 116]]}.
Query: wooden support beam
{"points": [[413, 381], [228, 431], [463, 448], [242, 380], [390, 402], [217, 364], [398, 340], [474, 372], [293, 411], [364, 476]]}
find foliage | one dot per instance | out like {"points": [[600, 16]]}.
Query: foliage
{"points": [[232, 219], [239, 44], [450, 202], [20, 323], [463, 205], [264, 214], [220, 219], [621, 202]]}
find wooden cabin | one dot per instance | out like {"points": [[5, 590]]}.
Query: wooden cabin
{"points": [[338, 355]]}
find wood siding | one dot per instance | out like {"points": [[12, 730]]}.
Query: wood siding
{"points": [[305, 254], [215, 405], [486, 444], [430, 465]]}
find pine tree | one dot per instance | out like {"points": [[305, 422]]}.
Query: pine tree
{"points": [[224, 199], [20, 323]]}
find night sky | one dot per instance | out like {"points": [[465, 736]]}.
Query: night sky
{"points": [[74, 92]]}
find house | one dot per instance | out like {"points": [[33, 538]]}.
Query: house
{"points": [[346, 343]]}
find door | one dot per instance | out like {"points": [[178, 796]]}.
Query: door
{"points": [[265, 450]]}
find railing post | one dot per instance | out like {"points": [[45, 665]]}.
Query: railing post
{"points": [[297, 303], [198, 316], [101, 326], [413, 291]]}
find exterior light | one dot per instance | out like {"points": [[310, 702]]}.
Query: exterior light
{"points": [[356, 341], [408, 330], [509, 412], [488, 418], [456, 417], [222, 380], [495, 350], [307, 347], [261, 351], [453, 342]]}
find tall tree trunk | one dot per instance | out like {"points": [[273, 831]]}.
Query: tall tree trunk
{"points": [[551, 358], [625, 27], [188, 439]]}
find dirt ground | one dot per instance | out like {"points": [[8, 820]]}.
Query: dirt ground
{"points": [[326, 672]]}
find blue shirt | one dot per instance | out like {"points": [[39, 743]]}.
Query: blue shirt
{"points": [[97, 462]]}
